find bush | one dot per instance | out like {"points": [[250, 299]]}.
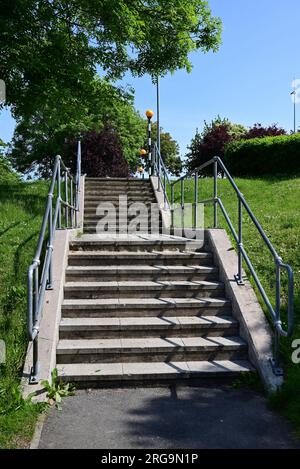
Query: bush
{"points": [[212, 142], [102, 154], [258, 131], [264, 156]]}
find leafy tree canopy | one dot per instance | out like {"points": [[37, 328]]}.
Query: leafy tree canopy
{"points": [[53, 47], [40, 136], [102, 154]]}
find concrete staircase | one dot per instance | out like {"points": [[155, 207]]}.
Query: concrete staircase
{"points": [[140, 308]]}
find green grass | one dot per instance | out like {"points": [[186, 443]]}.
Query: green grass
{"points": [[275, 202], [21, 207]]}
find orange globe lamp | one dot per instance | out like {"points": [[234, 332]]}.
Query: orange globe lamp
{"points": [[149, 113]]}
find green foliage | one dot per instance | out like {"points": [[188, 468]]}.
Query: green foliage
{"points": [[212, 141], [21, 206], [56, 390], [46, 133], [53, 48], [11, 399], [264, 156], [6, 171]]}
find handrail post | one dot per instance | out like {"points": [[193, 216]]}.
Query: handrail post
{"points": [[165, 192], [172, 209], [34, 372], [182, 202], [72, 202], [50, 246], [215, 192], [35, 369], [158, 174], [276, 360], [239, 276], [67, 198], [196, 201], [59, 193]]}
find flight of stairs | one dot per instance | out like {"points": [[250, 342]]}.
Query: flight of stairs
{"points": [[140, 308], [128, 193]]}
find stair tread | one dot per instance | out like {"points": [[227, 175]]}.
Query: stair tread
{"points": [[152, 344], [142, 302], [144, 285], [146, 322], [155, 269], [150, 255], [98, 371]]}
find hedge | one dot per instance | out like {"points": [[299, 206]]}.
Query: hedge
{"points": [[264, 156]]}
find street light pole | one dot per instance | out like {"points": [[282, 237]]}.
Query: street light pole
{"points": [[158, 112], [149, 115], [293, 93]]}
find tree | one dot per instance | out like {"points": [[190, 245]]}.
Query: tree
{"points": [[41, 136], [258, 131], [212, 141], [53, 48], [101, 156], [169, 149]]}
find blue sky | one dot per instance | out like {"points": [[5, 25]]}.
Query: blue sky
{"points": [[248, 80]]}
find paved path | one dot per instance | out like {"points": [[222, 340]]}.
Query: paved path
{"points": [[182, 417]]}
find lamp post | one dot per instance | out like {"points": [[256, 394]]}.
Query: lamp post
{"points": [[293, 93], [150, 114], [158, 112]]}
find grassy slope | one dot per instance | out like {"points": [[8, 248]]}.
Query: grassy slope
{"points": [[21, 208], [275, 202]]}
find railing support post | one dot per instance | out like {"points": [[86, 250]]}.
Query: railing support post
{"points": [[276, 359], [239, 276], [182, 203], [196, 201], [35, 369], [215, 192], [67, 198], [50, 246], [59, 193], [172, 209], [158, 174]]}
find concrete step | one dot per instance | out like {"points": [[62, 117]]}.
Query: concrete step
{"points": [[143, 289], [136, 196], [113, 180], [153, 349], [115, 219], [116, 229], [99, 374], [139, 258], [143, 272], [91, 243], [146, 307], [183, 326], [118, 190]]}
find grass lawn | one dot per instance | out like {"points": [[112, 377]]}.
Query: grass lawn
{"points": [[275, 202], [21, 208]]}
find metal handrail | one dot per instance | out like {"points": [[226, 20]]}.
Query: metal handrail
{"points": [[37, 283], [159, 169], [275, 313]]}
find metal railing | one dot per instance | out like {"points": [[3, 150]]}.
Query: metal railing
{"points": [[275, 312], [61, 212], [159, 169]]}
